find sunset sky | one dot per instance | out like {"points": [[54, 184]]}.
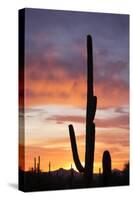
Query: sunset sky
{"points": [[55, 86]]}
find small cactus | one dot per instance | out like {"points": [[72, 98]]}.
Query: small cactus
{"points": [[49, 165], [36, 168], [107, 171], [35, 165]]}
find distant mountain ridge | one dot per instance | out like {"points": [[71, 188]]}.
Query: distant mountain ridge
{"points": [[64, 172]]}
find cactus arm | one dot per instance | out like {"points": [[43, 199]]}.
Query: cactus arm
{"points": [[74, 149]]}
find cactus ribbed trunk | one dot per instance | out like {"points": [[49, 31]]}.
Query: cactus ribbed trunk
{"points": [[90, 126]]}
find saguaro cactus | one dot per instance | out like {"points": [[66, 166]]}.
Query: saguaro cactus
{"points": [[34, 164], [90, 126], [38, 167], [49, 165], [106, 162]]}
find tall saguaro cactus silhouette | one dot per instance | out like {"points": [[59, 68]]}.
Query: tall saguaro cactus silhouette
{"points": [[90, 126]]}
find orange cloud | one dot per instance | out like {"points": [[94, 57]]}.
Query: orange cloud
{"points": [[66, 90], [121, 121], [55, 92], [68, 118], [112, 93]]}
